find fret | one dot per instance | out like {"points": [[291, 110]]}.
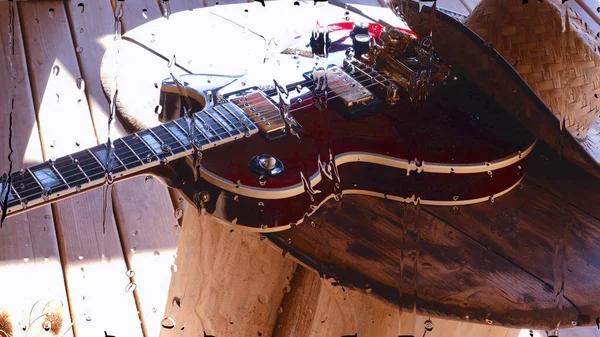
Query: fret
{"points": [[202, 142], [46, 177], [141, 149], [240, 116], [100, 152], [150, 142], [26, 185], [59, 175], [36, 180], [167, 139], [215, 125], [128, 157], [211, 134], [217, 118], [11, 202], [97, 160], [78, 169], [235, 122], [114, 153], [162, 149], [178, 132], [89, 165], [173, 136]]}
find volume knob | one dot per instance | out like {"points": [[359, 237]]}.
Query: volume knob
{"points": [[266, 165]]}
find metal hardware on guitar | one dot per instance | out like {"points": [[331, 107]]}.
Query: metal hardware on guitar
{"points": [[409, 62]]}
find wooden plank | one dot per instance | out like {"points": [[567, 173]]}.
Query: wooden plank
{"points": [[143, 208], [91, 260], [28, 243], [458, 275], [526, 226], [225, 282], [183, 5], [137, 13], [208, 3], [320, 307]]}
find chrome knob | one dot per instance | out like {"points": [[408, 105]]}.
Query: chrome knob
{"points": [[266, 165]]}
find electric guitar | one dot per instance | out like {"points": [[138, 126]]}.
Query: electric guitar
{"points": [[388, 118]]}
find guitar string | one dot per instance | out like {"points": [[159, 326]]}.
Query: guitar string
{"points": [[135, 149], [85, 164], [175, 144]]}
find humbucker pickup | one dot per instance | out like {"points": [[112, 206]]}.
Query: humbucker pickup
{"points": [[262, 111]]}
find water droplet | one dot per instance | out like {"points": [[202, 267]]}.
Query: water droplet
{"points": [[178, 213], [158, 109], [79, 49], [26, 259], [299, 100], [51, 12], [489, 321], [81, 30], [80, 257], [56, 70], [156, 255], [81, 84], [154, 310], [168, 323], [144, 13], [130, 287], [88, 317], [173, 268], [149, 157], [46, 216], [47, 325], [280, 310], [78, 188], [133, 249], [130, 273], [57, 98]]}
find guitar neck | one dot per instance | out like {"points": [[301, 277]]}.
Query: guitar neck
{"points": [[90, 168]]}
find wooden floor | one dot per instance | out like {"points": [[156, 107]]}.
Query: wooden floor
{"points": [[112, 283]]}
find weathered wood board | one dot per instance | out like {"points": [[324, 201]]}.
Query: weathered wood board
{"points": [[28, 243], [142, 206], [225, 282], [94, 267], [321, 307]]}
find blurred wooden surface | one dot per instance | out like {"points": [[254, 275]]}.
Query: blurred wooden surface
{"points": [[62, 41]]}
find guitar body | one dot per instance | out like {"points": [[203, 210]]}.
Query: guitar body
{"points": [[355, 196], [390, 154]]}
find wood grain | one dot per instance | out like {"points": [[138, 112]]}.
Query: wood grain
{"points": [[322, 307], [142, 206], [28, 243], [225, 282], [454, 270], [92, 261]]}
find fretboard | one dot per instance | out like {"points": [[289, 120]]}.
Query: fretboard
{"points": [[88, 168]]}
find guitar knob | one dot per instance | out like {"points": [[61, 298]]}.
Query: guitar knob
{"points": [[266, 165], [361, 39]]}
